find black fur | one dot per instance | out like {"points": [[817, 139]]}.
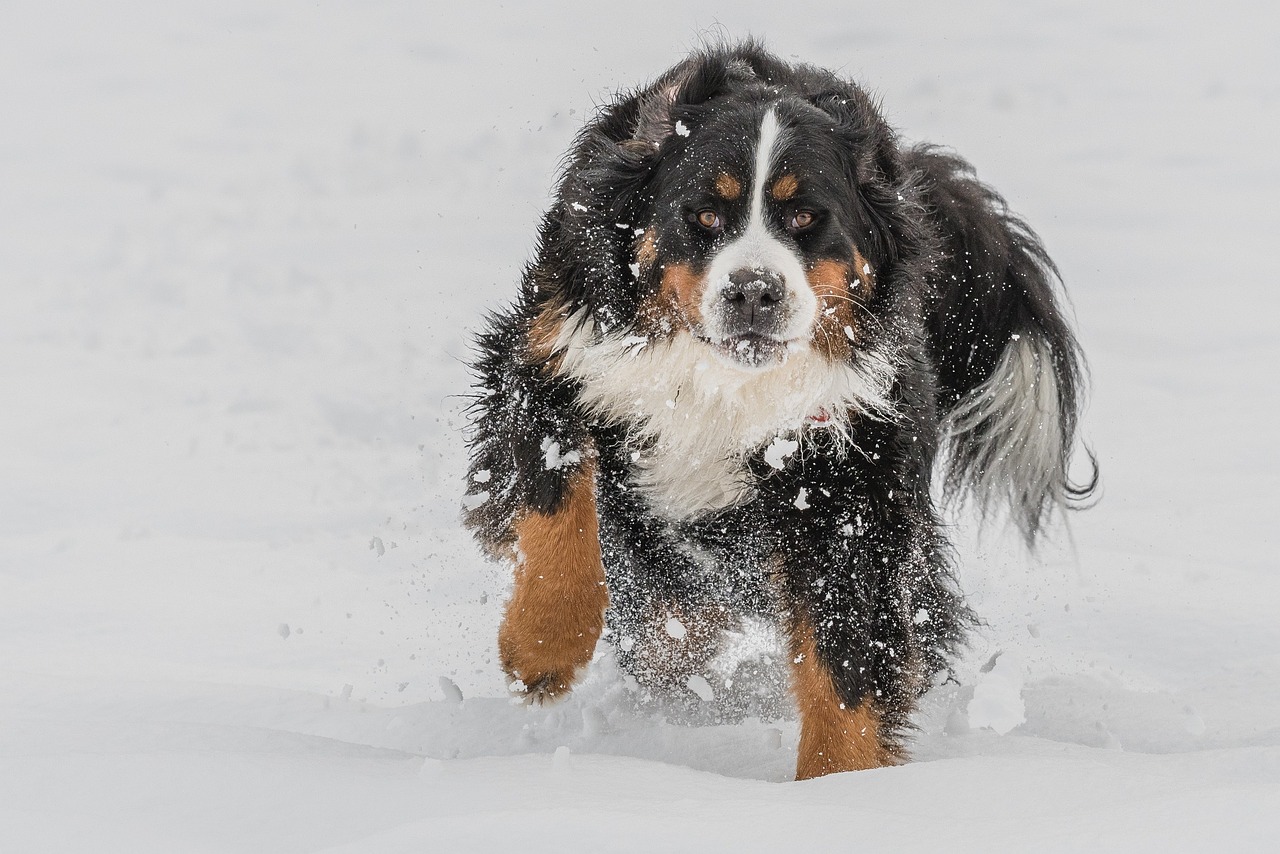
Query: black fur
{"points": [[866, 561], [996, 281]]}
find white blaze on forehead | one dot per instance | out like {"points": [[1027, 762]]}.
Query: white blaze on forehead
{"points": [[757, 248], [765, 146]]}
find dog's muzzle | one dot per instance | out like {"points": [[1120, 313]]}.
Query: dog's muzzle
{"points": [[753, 303], [751, 317]]}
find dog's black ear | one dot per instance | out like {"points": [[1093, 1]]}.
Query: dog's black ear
{"points": [[868, 140], [887, 193], [690, 84], [654, 123]]}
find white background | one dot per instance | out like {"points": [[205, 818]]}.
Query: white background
{"points": [[243, 246]]}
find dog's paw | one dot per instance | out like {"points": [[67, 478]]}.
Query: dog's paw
{"points": [[544, 690]]}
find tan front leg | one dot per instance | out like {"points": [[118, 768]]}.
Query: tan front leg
{"points": [[556, 614], [833, 736]]}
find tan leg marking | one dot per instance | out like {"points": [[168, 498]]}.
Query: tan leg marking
{"points": [[556, 613], [833, 738]]}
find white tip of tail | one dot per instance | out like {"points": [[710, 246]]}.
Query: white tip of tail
{"points": [[1006, 438]]}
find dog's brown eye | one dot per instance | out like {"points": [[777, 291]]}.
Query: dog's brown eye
{"points": [[709, 219], [800, 220]]}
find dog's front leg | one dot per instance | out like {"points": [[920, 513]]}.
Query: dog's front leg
{"points": [[556, 613], [532, 500], [855, 570], [838, 732]]}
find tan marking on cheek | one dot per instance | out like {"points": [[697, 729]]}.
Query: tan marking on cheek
{"points": [[865, 276], [727, 186], [556, 612], [676, 304], [835, 331], [833, 736], [544, 331], [683, 288], [784, 188], [646, 249], [677, 301]]}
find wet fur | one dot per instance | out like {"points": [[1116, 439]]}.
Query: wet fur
{"points": [[802, 492]]}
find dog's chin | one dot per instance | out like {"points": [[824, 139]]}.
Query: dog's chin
{"points": [[751, 352]]}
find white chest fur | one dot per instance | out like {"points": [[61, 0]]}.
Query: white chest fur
{"points": [[694, 419]]}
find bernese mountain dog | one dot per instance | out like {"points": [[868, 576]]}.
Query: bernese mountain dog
{"points": [[755, 321]]}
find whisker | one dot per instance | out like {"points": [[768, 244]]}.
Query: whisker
{"points": [[857, 304]]}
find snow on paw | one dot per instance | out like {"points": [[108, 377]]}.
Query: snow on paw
{"points": [[545, 690], [556, 612]]}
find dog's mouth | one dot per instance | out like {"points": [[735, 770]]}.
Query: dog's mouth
{"points": [[751, 351]]}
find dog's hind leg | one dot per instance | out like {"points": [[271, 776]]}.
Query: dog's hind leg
{"points": [[556, 613]]}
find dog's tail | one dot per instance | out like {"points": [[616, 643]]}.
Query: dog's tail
{"points": [[1010, 372]]}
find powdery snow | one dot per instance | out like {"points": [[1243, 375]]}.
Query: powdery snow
{"points": [[553, 459], [778, 451], [244, 247]]}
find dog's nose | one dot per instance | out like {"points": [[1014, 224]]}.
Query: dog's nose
{"points": [[753, 298]]}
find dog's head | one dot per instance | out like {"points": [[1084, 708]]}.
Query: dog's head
{"points": [[754, 205]]}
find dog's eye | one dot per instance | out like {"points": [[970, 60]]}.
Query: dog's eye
{"points": [[708, 219], [800, 220]]}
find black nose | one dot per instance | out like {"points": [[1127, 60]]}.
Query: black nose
{"points": [[752, 300]]}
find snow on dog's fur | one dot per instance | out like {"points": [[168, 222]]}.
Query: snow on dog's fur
{"points": [[698, 418], [754, 322]]}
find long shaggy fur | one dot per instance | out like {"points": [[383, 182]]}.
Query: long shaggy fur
{"points": [[1009, 369], [699, 420], [755, 325]]}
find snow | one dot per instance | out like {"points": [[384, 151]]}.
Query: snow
{"points": [[701, 687], [245, 247], [778, 450], [553, 459], [997, 696]]}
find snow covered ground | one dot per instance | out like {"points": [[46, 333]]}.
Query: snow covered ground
{"points": [[242, 246]]}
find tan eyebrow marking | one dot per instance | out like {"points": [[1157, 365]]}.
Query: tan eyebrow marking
{"points": [[727, 186], [784, 188]]}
